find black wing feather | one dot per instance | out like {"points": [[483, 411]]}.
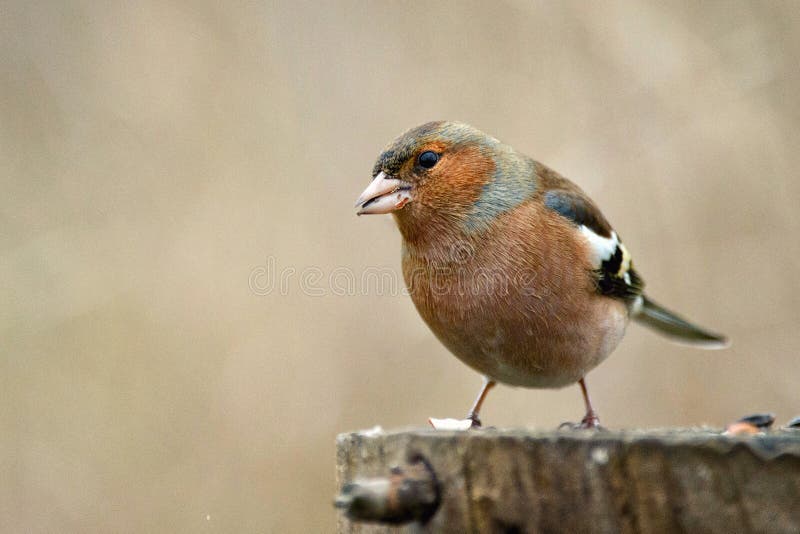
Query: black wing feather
{"points": [[611, 275]]}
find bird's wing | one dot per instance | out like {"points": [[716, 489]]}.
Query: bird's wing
{"points": [[612, 261]]}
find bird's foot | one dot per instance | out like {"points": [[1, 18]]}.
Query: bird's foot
{"points": [[589, 422], [476, 421]]}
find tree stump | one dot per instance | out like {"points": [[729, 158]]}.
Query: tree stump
{"points": [[693, 480]]}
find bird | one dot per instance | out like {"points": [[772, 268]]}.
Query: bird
{"points": [[512, 266]]}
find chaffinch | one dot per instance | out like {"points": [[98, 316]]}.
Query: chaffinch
{"points": [[512, 266]]}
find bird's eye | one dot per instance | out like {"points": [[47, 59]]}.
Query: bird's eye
{"points": [[428, 159]]}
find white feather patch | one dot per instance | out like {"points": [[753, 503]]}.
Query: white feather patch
{"points": [[626, 262], [636, 307], [602, 248]]}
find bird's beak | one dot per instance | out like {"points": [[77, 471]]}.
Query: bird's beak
{"points": [[383, 195]]}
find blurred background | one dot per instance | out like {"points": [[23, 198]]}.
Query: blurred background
{"points": [[184, 328]]}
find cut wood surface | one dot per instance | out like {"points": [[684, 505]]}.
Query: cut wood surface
{"points": [[688, 480]]}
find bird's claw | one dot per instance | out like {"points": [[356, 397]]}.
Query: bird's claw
{"points": [[476, 421], [589, 422]]}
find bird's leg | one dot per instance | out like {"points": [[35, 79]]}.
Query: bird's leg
{"points": [[476, 406], [590, 420]]}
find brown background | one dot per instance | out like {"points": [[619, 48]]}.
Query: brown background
{"points": [[154, 156]]}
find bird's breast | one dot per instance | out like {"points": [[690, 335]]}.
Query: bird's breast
{"points": [[514, 308]]}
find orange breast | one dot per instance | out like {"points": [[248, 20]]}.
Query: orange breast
{"points": [[513, 303]]}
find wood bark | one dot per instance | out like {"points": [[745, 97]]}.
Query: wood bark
{"points": [[693, 480]]}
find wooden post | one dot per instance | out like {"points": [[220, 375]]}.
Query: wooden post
{"points": [[571, 481]]}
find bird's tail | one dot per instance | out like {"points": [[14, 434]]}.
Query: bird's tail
{"points": [[677, 328]]}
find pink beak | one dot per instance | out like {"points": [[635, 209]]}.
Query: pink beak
{"points": [[383, 195]]}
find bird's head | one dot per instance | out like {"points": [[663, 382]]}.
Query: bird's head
{"points": [[439, 173]]}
